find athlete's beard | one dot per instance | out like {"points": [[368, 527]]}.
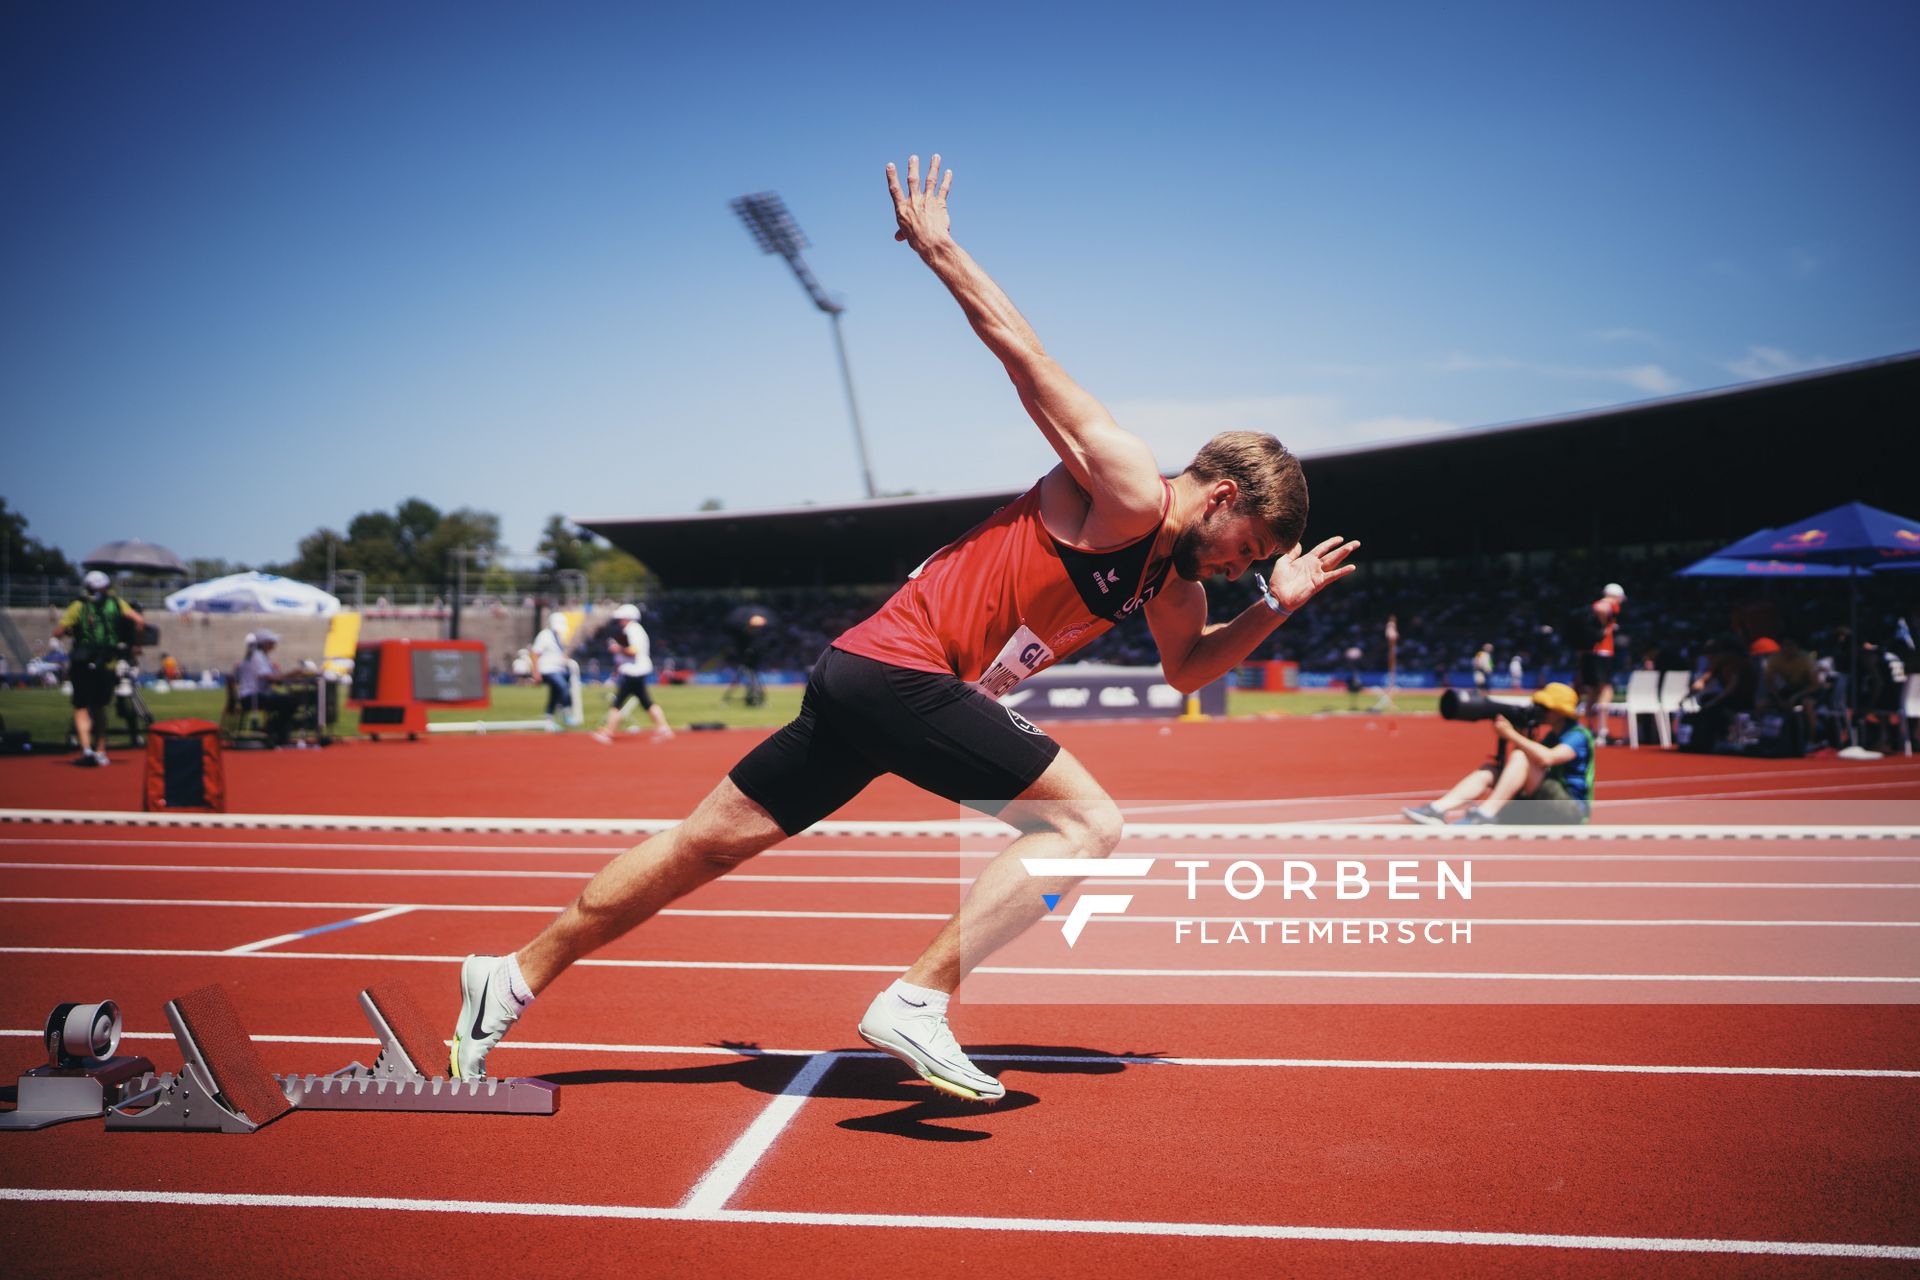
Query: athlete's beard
{"points": [[1186, 550]]}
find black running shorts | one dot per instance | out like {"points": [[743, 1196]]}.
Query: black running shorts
{"points": [[1596, 669], [93, 684], [862, 718], [633, 687]]}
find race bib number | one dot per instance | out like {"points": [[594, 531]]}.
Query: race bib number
{"points": [[1023, 654]]}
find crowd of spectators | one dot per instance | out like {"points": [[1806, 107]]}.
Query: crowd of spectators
{"points": [[692, 630], [1446, 614]]}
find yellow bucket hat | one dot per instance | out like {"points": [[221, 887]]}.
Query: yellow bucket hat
{"points": [[1559, 699]]}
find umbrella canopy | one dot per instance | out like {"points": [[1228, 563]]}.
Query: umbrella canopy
{"points": [[1725, 567], [1729, 567], [253, 593], [134, 556], [1853, 534]]}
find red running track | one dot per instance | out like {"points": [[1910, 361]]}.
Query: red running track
{"points": [[1286, 767], [1384, 1119]]}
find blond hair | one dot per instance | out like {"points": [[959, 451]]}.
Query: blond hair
{"points": [[1273, 489]]}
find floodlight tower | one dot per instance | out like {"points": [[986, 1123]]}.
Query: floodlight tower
{"points": [[775, 230]]}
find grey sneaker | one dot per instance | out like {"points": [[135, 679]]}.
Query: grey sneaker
{"points": [[1474, 817], [920, 1039], [487, 1009], [1426, 815]]}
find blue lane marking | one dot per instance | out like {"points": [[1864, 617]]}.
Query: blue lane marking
{"points": [[328, 928]]}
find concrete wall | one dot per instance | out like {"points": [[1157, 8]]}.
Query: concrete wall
{"points": [[216, 641]]}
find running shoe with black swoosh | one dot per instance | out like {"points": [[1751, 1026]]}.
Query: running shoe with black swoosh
{"points": [[920, 1038], [487, 1009]]}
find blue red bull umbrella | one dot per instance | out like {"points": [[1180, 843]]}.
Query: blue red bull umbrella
{"points": [[1751, 567], [1854, 534]]}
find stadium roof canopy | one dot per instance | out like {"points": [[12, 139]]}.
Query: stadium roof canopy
{"points": [[1688, 469]]}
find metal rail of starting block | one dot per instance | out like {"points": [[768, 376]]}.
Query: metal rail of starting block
{"points": [[222, 1087], [395, 1082]]}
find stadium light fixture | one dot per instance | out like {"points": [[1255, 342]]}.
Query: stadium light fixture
{"points": [[775, 231]]}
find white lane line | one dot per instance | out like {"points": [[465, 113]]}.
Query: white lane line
{"points": [[1530, 921], [520, 908], [197, 868], [311, 846], [953, 854], [479, 907], [719, 1183], [435, 873], [1098, 1059], [897, 967], [761, 878], [385, 914], [949, 855], [947, 828], [1077, 1226], [943, 855], [1901, 771], [1815, 789]]}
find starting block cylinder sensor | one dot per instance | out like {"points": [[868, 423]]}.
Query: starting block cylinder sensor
{"points": [[76, 1032]]}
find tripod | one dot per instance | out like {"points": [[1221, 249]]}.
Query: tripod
{"points": [[746, 679], [132, 708]]}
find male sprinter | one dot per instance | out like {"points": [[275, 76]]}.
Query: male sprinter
{"points": [[911, 691]]}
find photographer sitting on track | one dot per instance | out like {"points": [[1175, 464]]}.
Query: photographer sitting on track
{"points": [[1549, 765]]}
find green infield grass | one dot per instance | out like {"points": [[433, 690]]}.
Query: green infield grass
{"points": [[46, 714]]}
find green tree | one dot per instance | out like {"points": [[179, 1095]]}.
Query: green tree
{"points": [[200, 568], [373, 547], [411, 543], [415, 522], [461, 530], [498, 580], [612, 567], [561, 545], [26, 557], [310, 559]]}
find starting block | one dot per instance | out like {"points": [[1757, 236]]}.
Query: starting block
{"points": [[223, 1086]]}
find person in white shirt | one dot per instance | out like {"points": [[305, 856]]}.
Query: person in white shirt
{"points": [[631, 652], [550, 666], [255, 677]]}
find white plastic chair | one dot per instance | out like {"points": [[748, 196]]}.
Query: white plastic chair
{"points": [[1674, 687], [1643, 699]]}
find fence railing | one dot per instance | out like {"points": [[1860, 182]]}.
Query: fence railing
{"points": [[151, 594]]}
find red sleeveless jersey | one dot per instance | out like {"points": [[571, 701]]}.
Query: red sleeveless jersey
{"points": [[1007, 598], [1604, 644]]}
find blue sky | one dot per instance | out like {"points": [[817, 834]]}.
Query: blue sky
{"points": [[266, 266]]}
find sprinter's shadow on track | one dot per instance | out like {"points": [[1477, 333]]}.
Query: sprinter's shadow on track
{"points": [[922, 1113]]}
